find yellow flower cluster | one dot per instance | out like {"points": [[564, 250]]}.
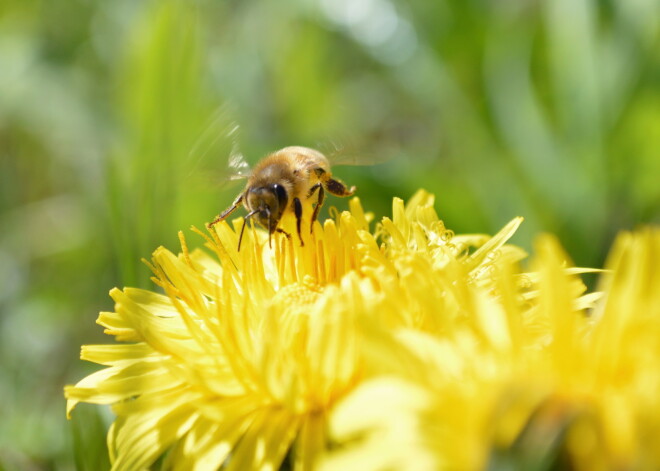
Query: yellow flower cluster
{"points": [[406, 348]]}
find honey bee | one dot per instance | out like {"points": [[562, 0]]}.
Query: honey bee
{"points": [[281, 182]]}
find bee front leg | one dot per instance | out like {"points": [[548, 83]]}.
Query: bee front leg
{"points": [[298, 210], [227, 211]]}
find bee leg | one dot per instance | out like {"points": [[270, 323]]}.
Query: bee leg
{"points": [[312, 190], [338, 188], [319, 203], [298, 210], [227, 211], [282, 231]]}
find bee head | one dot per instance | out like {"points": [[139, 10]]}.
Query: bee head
{"points": [[268, 204]]}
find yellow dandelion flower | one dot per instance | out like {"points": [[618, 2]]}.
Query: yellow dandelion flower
{"points": [[540, 375], [245, 355]]}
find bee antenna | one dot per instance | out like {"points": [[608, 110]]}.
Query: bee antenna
{"points": [[240, 237]]}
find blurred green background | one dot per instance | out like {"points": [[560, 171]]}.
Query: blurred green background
{"points": [[113, 120]]}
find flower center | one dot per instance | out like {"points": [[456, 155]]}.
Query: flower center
{"points": [[296, 298]]}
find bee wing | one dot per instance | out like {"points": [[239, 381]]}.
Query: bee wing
{"points": [[352, 152], [238, 166], [217, 150]]}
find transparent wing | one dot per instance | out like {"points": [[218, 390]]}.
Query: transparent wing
{"points": [[353, 151], [216, 152], [238, 166]]}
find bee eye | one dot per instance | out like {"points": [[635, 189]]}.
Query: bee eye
{"points": [[282, 197]]}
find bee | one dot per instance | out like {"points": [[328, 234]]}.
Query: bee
{"points": [[281, 182]]}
